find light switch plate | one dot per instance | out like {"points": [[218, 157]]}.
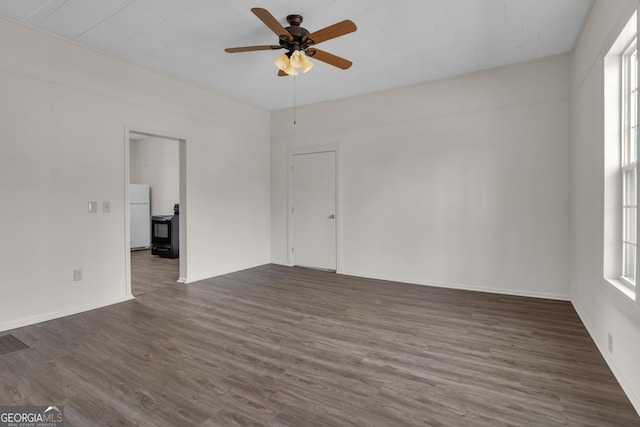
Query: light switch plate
{"points": [[93, 207], [106, 207]]}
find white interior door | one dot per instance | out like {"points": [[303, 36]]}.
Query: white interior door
{"points": [[314, 209]]}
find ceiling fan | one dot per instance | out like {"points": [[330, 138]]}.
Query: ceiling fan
{"points": [[299, 43]]}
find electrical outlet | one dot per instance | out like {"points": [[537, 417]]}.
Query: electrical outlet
{"points": [[93, 207], [610, 343], [77, 275], [106, 207]]}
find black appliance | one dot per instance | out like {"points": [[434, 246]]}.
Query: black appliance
{"points": [[165, 239]]}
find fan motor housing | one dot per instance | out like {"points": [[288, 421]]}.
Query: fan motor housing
{"points": [[297, 32], [294, 20]]}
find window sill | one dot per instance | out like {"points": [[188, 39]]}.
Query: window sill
{"points": [[627, 290]]}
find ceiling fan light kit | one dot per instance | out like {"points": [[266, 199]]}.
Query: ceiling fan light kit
{"points": [[298, 42], [283, 62], [290, 62]]}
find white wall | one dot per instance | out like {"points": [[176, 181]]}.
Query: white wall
{"points": [[54, 94], [462, 182], [156, 161], [602, 308]]}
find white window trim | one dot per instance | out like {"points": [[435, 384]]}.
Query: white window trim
{"points": [[615, 130], [626, 163], [625, 115]]}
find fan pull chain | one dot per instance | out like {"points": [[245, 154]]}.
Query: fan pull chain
{"points": [[294, 99]]}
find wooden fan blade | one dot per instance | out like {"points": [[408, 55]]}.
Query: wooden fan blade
{"points": [[252, 48], [282, 73], [329, 58], [330, 32], [272, 23]]}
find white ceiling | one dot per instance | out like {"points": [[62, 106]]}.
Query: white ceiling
{"points": [[398, 42]]}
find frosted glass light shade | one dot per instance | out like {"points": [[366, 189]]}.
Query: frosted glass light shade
{"points": [[299, 60], [284, 64], [305, 64], [295, 59], [291, 70], [282, 61]]}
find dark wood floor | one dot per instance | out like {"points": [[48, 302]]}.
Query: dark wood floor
{"points": [[285, 346], [151, 273]]}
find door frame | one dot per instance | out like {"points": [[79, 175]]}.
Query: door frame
{"points": [[293, 151], [182, 149]]}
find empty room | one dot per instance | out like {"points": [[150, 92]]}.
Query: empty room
{"points": [[319, 213]]}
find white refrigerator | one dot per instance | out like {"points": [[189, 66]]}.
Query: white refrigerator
{"points": [[140, 210]]}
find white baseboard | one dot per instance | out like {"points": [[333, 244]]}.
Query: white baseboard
{"points": [[502, 291], [284, 264], [633, 398], [27, 321]]}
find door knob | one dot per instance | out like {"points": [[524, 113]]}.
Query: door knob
{"points": [[332, 216]]}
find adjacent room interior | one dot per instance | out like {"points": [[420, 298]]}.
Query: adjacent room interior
{"points": [[154, 195], [434, 225]]}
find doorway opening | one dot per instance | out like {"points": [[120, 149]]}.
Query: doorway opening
{"points": [[156, 214]]}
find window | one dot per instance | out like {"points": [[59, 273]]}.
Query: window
{"points": [[629, 162], [619, 267]]}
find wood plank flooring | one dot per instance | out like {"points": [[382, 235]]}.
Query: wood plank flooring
{"points": [[280, 346], [151, 273]]}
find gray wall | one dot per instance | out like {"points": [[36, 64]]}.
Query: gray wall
{"points": [[462, 182], [603, 308], [59, 94]]}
